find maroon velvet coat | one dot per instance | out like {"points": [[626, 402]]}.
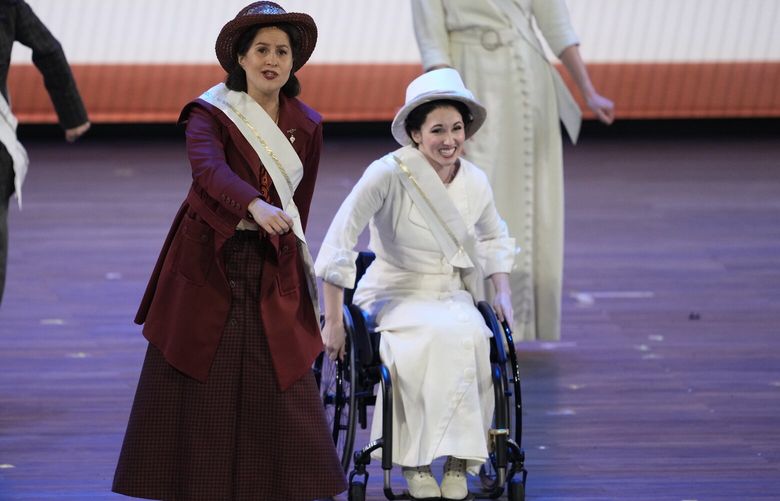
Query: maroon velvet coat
{"points": [[186, 303]]}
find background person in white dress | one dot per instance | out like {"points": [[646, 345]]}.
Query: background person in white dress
{"points": [[494, 46], [434, 340]]}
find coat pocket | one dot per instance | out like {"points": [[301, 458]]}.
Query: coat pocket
{"points": [[193, 250], [290, 272]]}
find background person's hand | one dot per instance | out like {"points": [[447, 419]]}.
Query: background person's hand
{"points": [[603, 108], [76, 132]]}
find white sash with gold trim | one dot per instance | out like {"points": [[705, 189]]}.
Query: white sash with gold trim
{"points": [[430, 197], [277, 155], [15, 149]]}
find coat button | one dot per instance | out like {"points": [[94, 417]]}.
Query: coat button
{"points": [[285, 248], [232, 284], [334, 277]]}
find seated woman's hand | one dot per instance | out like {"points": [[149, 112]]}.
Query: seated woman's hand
{"points": [[502, 303], [334, 338], [270, 218]]}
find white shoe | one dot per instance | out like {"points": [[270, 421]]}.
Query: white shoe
{"points": [[453, 483], [422, 484]]}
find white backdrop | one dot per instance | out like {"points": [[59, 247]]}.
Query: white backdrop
{"points": [[366, 31]]}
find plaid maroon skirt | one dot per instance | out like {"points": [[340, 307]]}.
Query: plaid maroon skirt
{"points": [[237, 436]]}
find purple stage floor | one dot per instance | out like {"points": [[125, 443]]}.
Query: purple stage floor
{"points": [[666, 385]]}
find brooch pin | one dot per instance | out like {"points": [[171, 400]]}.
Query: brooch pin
{"points": [[291, 132]]}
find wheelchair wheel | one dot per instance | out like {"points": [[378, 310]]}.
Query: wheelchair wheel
{"points": [[357, 491], [516, 402], [488, 472], [487, 475], [336, 381], [516, 491], [503, 356]]}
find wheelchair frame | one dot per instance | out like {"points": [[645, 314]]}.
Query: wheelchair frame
{"points": [[347, 390]]}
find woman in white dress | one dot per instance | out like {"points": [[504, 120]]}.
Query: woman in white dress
{"points": [[436, 234], [494, 45]]}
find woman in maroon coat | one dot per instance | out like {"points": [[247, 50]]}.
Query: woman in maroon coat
{"points": [[226, 405]]}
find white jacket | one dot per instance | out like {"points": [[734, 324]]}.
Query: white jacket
{"points": [[398, 233]]}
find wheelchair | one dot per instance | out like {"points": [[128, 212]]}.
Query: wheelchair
{"points": [[347, 390]]}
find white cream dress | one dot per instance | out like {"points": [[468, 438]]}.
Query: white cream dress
{"points": [[433, 339]]}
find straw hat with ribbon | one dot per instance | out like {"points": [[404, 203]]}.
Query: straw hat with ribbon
{"points": [[265, 13]]}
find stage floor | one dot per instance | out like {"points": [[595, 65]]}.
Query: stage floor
{"points": [[665, 386]]}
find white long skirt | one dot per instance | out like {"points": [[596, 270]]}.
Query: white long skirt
{"points": [[437, 347]]}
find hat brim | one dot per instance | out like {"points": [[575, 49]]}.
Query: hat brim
{"points": [[478, 114], [226, 41]]}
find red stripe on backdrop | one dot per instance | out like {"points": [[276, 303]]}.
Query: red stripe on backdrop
{"points": [[361, 92]]}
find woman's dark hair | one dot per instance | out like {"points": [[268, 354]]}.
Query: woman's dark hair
{"points": [[236, 79], [417, 116]]}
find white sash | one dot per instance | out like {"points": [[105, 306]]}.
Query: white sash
{"points": [[430, 197], [568, 109], [18, 154], [277, 155]]}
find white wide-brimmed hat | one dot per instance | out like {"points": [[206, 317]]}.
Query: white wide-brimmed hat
{"points": [[444, 83]]}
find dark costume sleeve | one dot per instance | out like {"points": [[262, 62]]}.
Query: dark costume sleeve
{"points": [[210, 169], [50, 60]]}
